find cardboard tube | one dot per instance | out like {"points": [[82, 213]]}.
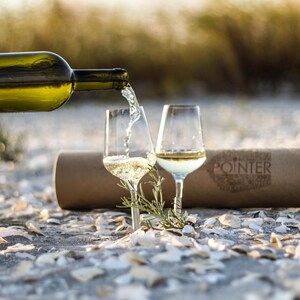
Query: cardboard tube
{"points": [[228, 179]]}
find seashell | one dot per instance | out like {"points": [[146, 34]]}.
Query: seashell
{"points": [[297, 251], [173, 285], [201, 266], [57, 214], [230, 220], [146, 239], [287, 237], [24, 267], [25, 255], [217, 230], [219, 244], [179, 241], [253, 223], [123, 226], [263, 253], [275, 241], [198, 250], [246, 231], [254, 226], [123, 279], [2, 240], [259, 236], [212, 278], [19, 248], [210, 222], [192, 218], [290, 249], [123, 242], [114, 263], [20, 205], [10, 231], [269, 220], [262, 214], [44, 214], [287, 221], [243, 249], [62, 261], [33, 227], [119, 219], [133, 258], [222, 255], [102, 292], [48, 258], [261, 242], [281, 229], [248, 221], [53, 221], [132, 291], [175, 231], [172, 255], [87, 273], [103, 232], [100, 222], [147, 274], [188, 230]]}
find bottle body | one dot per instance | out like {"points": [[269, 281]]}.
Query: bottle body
{"points": [[43, 81]]}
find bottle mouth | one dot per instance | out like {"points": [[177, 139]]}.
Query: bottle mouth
{"points": [[122, 73]]}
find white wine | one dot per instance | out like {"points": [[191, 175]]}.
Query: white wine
{"points": [[181, 163], [43, 81], [134, 113], [127, 168], [134, 106]]}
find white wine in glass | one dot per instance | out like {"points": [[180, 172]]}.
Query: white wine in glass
{"points": [[128, 150], [180, 148]]}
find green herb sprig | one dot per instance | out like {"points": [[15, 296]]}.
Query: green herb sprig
{"points": [[155, 208]]}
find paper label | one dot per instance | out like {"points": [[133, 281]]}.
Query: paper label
{"points": [[240, 170]]}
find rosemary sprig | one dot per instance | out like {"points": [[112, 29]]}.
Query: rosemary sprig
{"points": [[155, 208]]}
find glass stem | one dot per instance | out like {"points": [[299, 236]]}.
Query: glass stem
{"points": [[179, 192], [135, 212]]}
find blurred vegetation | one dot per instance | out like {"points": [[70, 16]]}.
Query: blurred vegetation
{"points": [[251, 47], [11, 146], [226, 46]]}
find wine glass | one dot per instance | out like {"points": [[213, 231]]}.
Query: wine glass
{"points": [[128, 150], [180, 149]]}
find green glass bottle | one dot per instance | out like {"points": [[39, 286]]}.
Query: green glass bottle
{"points": [[43, 81]]}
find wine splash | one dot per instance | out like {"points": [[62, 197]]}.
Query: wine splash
{"points": [[134, 111], [134, 107]]}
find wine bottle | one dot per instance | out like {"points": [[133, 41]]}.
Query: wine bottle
{"points": [[43, 81]]}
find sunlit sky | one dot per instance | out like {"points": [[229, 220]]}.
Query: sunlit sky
{"points": [[15, 4], [139, 8], [131, 3]]}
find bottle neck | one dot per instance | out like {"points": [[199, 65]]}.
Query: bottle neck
{"points": [[99, 79]]}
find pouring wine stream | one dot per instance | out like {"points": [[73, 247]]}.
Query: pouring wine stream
{"points": [[128, 147]]}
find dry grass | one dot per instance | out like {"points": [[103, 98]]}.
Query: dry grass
{"points": [[251, 47], [223, 47]]}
